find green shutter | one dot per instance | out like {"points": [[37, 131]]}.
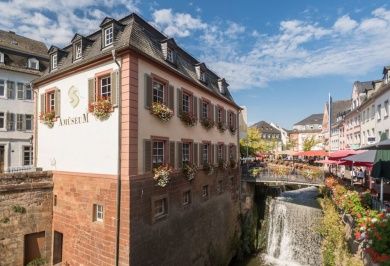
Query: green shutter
{"points": [[43, 103], [180, 154], [91, 92], [23, 122], [147, 155], [171, 97], [211, 107], [172, 154], [114, 87], [200, 109], [195, 152], [57, 104], [195, 106], [148, 91], [179, 101]]}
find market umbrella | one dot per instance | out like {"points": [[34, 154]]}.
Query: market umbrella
{"points": [[382, 145], [381, 167], [342, 154], [364, 157]]}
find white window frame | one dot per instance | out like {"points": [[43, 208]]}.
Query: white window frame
{"points": [[186, 102], [170, 55], [28, 117], [2, 85], [158, 152], [52, 101], [186, 197], [160, 208], [19, 122], [108, 36], [202, 75], [205, 109], [78, 50], [3, 117], [205, 153], [20, 91], [28, 89], [205, 191], [158, 92], [186, 151], [105, 87], [32, 61], [30, 155], [220, 152], [98, 213], [54, 61], [1, 58]]}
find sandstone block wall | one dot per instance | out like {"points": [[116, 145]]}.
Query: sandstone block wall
{"points": [[25, 208]]}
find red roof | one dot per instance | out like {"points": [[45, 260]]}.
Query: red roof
{"points": [[337, 155]]}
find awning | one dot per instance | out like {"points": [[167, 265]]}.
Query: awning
{"points": [[326, 161], [382, 145], [364, 157], [342, 154], [358, 164], [312, 153]]}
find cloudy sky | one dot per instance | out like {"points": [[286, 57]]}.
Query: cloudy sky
{"points": [[281, 58]]}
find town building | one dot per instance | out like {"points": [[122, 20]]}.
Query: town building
{"points": [[270, 135], [283, 135], [21, 60], [310, 127], [243, 126], [126, 115]]}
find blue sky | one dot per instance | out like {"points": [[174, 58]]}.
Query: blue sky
{"points": [[281, 58]]}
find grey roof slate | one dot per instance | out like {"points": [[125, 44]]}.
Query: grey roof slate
{"points": [[136, 34], [265, 127], [339, 108], [364, 86], [314, 119]]}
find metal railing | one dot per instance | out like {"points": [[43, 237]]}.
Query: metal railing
{"points": [[267, 174]]}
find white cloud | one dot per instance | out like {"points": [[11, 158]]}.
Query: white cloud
{"points": [[55, 22], [176, 24], [345, 24]]}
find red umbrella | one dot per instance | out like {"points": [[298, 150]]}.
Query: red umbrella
{"points": [[337, 155], [312, 153], [327, 161]]}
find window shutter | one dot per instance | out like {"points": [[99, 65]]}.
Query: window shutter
{"points": [[23, 117], [195, 106], [212, 160], [180, 154], [91, 92], [171, 96], [224, 117], [147, 155], [172, 154], [216, 153], [234, 120], [200, 109], [114, 87], [57, 105], [148, 91], [215, 113], [196, 154], [10, 89], [43, 103], [9, 122], [211, 111], [179, 101], [225, 157]]}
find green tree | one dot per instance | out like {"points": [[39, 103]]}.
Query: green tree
{"points": [[250, 145], [309, 143]]}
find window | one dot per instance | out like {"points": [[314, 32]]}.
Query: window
{"points": [[379, 117], [160, 208], [170, 55], [231, 123], [108, 36], [78, 50], [2, 88], [54, 61], [220, 152], [158, 153], [202, 76], [11, 121], [205, 153], [187, 197], [231, 152], [205, 191], [20, 91], [205, 109], [1, 58], [373, 111], [2, 120], [50, 101], [186, 152], [186, 103], [33, 63], [19, 122], [27, 155], [10, 90], [386, 105], [219, 115], [98, 213], [105, 87], [158, 92], [29, 121], [28, 93]]}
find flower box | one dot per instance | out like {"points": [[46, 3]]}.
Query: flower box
{"points": [[161, 111], [161, 175], [189, 171], [48, 118], [101, 108], [188, 119], [207, 123]]}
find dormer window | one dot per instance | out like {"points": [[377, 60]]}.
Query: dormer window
{"points": [[222, 85], [202, 76], [170, 55], [1, 58], [108, 36], [33, 63], [54, 61], [201, 72], [78, 51]]}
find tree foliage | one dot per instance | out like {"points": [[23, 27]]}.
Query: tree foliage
{"points": [[309, 143]]}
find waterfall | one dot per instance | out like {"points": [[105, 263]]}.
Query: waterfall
{"points": [[291, 238]]}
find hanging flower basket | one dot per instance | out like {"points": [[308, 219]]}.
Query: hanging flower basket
{"points": [[221, 126], [189, 171], [101, 109], [188, 119], [232, 129], [161, 175], [161, 111], [232, 163], [207, 123], [47, 118], [208, 168], [221, 164]]}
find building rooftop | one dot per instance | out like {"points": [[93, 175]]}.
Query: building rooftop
{"points": [[265, 127], [314, 119], [364, 86], [136, 34]]}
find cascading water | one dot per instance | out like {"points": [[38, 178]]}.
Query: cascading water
{"points": [[291, 238]]}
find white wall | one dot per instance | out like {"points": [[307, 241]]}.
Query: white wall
{"points": [[384, 123], [174, 129], [88, 148]]}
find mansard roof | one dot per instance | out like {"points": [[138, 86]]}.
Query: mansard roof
{"points": [[138, 35], [314, 119], [265, 127]]}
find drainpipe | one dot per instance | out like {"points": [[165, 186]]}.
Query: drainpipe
{"points": [[35, 132], [119, 164]]}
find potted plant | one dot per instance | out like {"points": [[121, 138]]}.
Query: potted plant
{"points": [[221, 164], [161, 111], [101, 108], [189, 170], [232, 163], [208, 168], [221, 126], [232, 129], [188, 119], [161, 174], [48, 118], [207, 123]]}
